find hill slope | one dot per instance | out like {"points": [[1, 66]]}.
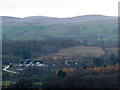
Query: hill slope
{"points": [[79, 28], [86, 51]]}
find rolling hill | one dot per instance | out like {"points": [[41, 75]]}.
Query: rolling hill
{"points": [[42, 27]]}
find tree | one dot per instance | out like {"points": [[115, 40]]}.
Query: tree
{"points": [[23, 52], [61, 73], [113, 59], [98, 61]]}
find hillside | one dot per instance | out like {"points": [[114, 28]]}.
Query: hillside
{"points": [[40, 27], [44, 20], [85, 51]]}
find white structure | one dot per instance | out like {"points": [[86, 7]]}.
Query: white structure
{"points": [[20, 65], [75, 63], [41, 65], [37, 63], [67, 63]]}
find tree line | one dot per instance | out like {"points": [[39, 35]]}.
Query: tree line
{"points": [[27, 49]]}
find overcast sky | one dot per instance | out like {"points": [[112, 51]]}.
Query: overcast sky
{"points": [[58, 8]]}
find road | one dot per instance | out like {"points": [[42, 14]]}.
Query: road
{"points": [[5, 69]]}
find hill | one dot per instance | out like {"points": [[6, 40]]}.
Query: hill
{"points": [[44, 20], [41, 27]]}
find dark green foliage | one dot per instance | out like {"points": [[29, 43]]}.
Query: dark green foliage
{"points": [[83, 79], [98, 61], [26, 49], [23, 52], [61, 73], [23, 83], [113, 59], [84, 67], [6, 59]]}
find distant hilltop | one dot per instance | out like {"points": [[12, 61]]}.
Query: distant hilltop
{"points": [[42, 27], [43, 20]]}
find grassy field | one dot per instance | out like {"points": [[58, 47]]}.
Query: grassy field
{"points": [[85, 51], [7, 83], [78, 31], [12, 69]]}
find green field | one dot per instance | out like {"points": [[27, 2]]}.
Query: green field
{"points": [[7, 83], [75, 30]]}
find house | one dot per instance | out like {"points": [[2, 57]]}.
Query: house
{"points": [[75, 63], [20, 65], [37, 63], [24, 64], [27, 65], [41, 65], [67, 63], [31, 64]]}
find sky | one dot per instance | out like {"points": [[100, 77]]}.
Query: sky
{"points": [[58, 8]]}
